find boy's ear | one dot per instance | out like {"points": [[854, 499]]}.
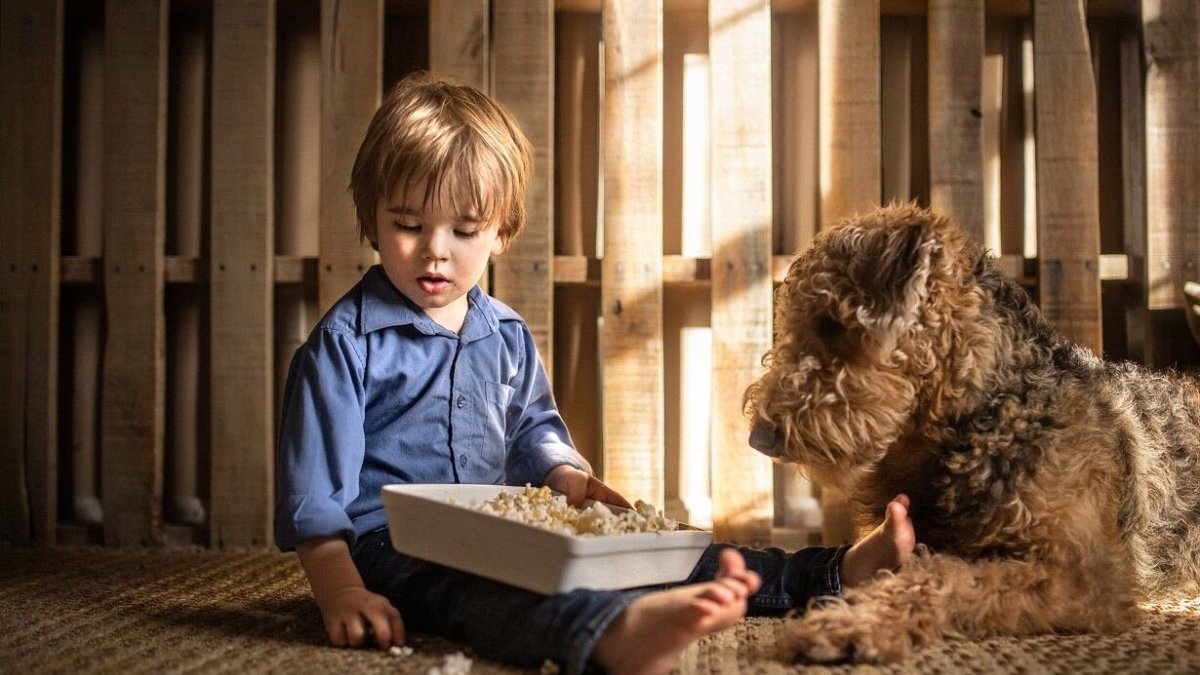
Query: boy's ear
{"points": [[371, 236], [500, 245]]}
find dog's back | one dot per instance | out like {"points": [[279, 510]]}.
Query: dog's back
{"points": [[1156, 416], [1159, 415]]}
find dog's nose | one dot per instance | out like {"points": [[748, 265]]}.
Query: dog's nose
{"points": [[765, 439]]}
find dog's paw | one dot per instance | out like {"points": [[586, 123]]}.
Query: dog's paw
{"points": [[831, 634], [840, 634], [820, 649]]}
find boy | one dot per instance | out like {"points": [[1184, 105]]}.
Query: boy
{"points": [[417, 376]]}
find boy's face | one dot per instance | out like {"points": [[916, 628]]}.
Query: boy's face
{"points": [[432, 255]]}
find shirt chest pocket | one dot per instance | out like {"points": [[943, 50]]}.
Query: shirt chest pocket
{"points": [[497, 399]]}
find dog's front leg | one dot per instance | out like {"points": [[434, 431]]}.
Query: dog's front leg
{"points": [[936, 596]]}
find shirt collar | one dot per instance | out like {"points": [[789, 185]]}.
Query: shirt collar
{"points": [[383, 307]]}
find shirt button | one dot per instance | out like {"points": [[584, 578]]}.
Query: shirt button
{"points": [[462, 461], [461, 402]]}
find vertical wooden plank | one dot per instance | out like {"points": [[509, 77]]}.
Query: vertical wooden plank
{"points": [[523, 81], [896, 96], [187, 109], [241, 270], [31, 57], [298, 173], [351, 79], [576, 119], [1006, 40], [577, 183], [1067, 195], [850, 102], [1133, 181], [992, 108], [88, 310], [741, 203], [631, 283], [796, 132], [850, 150], [1172, 51], [135, 78], [459, 39], [955, 111]]}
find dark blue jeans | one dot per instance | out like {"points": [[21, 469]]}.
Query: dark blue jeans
{"points": [[522, 628]]}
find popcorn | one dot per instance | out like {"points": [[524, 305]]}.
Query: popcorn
{"points": [[453, 664], [541, 507]]}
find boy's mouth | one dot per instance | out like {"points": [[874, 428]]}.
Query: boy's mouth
{"points": [[432, 283]]}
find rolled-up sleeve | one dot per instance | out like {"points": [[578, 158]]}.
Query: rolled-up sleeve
{"points": [[538, 440], [321, 440]]}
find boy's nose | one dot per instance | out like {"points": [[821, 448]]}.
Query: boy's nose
{"points": [[435, 247]]}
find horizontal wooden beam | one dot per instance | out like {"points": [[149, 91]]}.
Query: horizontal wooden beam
{"points": [[902, 7], [568, 269], [1009, 8], [289, 269]]}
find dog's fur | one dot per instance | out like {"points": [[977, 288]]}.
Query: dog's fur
{"points": [[1054, 489]]}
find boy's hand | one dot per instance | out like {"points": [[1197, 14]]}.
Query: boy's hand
{"points": [[350, 611], [579, 485], [354, 613]]}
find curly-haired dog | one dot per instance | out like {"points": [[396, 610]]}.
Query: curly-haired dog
{"points": [[1055, 489]]}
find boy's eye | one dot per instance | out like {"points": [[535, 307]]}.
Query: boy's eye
{"points": [[466, 234], [408, 227]]}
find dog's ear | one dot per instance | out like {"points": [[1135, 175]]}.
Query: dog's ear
{"points": [[896, 247]]}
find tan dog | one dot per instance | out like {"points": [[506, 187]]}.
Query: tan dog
{"points": [[1055, 489]]}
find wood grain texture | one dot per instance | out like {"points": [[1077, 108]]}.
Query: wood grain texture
{"points": [[1172, 54], [31, 60], [351, 76], [1068, 181], [741, 203], [242, 247], [523, 276], [133, 396], [850, 104], [460, 39], [1133, 172], [631, 276], [956, 111], [796, 134]]}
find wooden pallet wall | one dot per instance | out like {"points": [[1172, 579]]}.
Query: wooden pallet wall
{"points": [[31, 51], [174, 207]]}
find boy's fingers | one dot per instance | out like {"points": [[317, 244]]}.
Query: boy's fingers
{"points": [[337, 633], [355, 632], [398, 636], [602, 493], [723, 591], [751, 580], [381, 628]]}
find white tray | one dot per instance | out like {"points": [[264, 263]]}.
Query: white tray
{"points": [[424, 524]]}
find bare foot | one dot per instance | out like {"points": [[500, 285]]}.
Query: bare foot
{"points": [[648, 637], [885, 548]]}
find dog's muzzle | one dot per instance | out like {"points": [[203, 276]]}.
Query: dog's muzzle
{"points": [[765, 439]]}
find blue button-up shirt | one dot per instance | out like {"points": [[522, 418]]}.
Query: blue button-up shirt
{"points": [[381, 393]]}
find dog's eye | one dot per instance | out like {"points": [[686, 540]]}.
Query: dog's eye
{"points": [[827, 328]]}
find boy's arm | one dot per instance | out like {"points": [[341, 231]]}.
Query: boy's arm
{"points": [[347, 607], [537, 437]]}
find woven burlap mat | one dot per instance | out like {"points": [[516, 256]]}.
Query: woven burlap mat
{"points": [[97, 610]]}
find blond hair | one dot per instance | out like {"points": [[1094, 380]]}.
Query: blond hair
{"points": [[448, 135]]}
